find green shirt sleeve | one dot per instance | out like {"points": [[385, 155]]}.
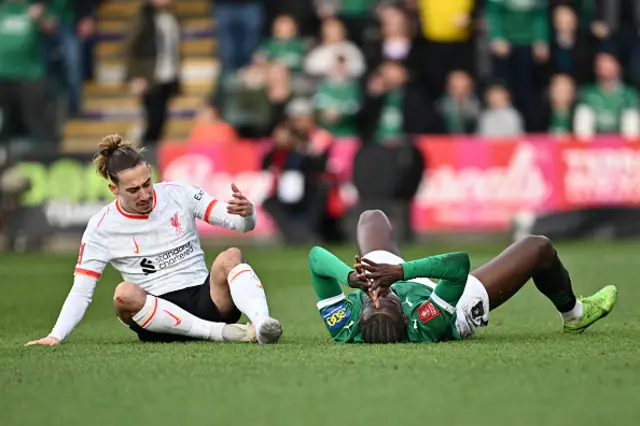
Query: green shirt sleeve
{"points": [[451, 269], [327, 272], [540, 26], [493, 12]]}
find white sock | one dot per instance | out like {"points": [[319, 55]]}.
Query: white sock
{"points": [[161, 316], [247, 293], [574, 314]]}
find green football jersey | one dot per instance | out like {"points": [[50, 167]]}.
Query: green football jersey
{"points": [[343, 98], [391, 123], [21, 43], [609, 106], [430, 312], [519, 22], [289, 52]]}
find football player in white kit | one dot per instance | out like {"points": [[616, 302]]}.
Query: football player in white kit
{"points": [[149, 235]]}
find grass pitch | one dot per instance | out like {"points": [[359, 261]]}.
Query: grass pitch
{"points": [[521, 370]]}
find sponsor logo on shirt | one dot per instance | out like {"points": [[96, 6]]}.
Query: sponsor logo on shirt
{"points": [[427, 312], [335, 316], [166, 259]]}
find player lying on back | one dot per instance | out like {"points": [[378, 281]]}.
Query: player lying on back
{"points": [[398, 302], [149, 235]]}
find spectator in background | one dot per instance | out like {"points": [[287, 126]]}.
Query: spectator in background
{"points": [[500, 119], [459, 108], [396, 39], [448, 29], [357, 15], [303, 13], [242, 99], [239, 29], [23, 87], [210, 128], [609, 105], [153, 62], [75, 24], [571, 49], [279, 92], [518, 32], [556, 114], [617, 25], [300, 115], [295, 203], [321, 60], [391, 109], [316, 143], [337, 99], [284, 45]]}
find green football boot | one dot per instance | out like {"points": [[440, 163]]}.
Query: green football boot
{"points": [[594, 308]]}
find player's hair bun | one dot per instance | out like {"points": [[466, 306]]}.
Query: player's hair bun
{"points": [[109, 145], [106, 148]]}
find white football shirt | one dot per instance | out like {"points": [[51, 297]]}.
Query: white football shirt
{"points": [[160, 251]]}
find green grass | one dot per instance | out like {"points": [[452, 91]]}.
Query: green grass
{"points": [[521, 370]]}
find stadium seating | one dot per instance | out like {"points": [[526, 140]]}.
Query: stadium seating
{"points": [[108, 106]]}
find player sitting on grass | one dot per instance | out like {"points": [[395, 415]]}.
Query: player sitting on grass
{"points": [[149, 235], [398, 302]]}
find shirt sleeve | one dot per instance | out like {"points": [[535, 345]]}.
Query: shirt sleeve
{"points": [[214, 212], [451, 269], [327, 273], [92, 259]]}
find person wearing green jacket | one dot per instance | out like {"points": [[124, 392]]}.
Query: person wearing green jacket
{"points": [[519, 35]]}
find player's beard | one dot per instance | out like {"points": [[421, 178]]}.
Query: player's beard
{"points": [[146, 207]]}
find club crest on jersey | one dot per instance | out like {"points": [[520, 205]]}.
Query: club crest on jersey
{"points": [[175, 222], [427, 312], [336, 316]]}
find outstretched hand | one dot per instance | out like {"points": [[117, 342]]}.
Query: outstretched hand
{"points": [[47, 341], [239, 204], [381, 275]]}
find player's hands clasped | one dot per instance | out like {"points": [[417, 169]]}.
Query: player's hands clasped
{"points": [[382, 275], [239, 204], [47, 341]]}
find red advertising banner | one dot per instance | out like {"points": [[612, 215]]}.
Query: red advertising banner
{"points": [[471, 184]]}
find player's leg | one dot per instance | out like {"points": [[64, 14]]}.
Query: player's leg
{"points": [[534, 257], [235, 288], [374, 233], [158, 320], [376, 241]]}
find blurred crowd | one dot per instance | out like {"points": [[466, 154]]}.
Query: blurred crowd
{"points": [[380, 69], [46, 54]]}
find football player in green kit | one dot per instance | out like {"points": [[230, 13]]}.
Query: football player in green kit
{"points": [[398, 302]]}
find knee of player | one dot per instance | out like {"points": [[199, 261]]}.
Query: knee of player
{"points": [[543, 246], [229, 259], [372, 216], [129, 297]]}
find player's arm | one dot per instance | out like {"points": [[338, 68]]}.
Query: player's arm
{"points": [[92, 260], [238, 214], [451, 269], [328, 273]]}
